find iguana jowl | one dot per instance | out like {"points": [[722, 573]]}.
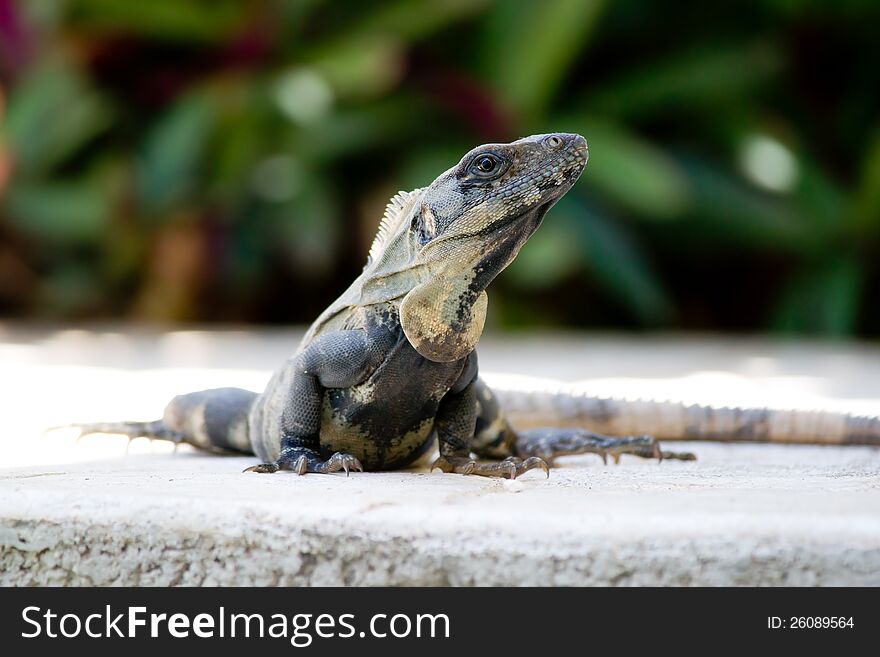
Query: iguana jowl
{"points": [[389, 367]]}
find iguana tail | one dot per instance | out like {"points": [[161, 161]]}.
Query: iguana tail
{"points": [[568, 406], [214, 420]]}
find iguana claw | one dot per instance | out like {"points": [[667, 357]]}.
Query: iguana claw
{"points": [[301, 463], [511, 467], [342, 461], [263, 468]]}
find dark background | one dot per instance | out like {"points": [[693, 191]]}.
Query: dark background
{"points": [[480, 618], [228, 161]]}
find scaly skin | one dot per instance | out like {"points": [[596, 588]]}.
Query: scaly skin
{"points": [[390, 367]]}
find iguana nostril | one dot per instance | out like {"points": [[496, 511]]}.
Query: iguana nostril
{"points": [[553, 141]]}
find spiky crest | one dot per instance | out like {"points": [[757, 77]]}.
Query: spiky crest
{"points": [[394, 215]]}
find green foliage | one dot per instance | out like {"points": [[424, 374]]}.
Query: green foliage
{"points": [[170, 153], [52, 114], [59, 212], [822, 298], [635, 174], [226, 160], [162, 19], [532, 46]]}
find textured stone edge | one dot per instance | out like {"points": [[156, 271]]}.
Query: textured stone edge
{"points": [[36, 552]]}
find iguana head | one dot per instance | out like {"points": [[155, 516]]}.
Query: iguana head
{"points": [[446, 242], [500, 188]]}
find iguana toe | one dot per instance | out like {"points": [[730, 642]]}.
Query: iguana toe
{"points": [[533, 463], [510, 468], [263, 468], [339, 461], [301, 463]]}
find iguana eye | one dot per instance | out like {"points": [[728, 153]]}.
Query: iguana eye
{"points": [[485, 165]]}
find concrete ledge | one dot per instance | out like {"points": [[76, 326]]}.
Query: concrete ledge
{"points": [[742, 514]]}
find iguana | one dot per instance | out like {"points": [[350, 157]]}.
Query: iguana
{"points": [[390, 367]]}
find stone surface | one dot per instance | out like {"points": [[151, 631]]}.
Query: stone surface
{"points": [[742, 514]]}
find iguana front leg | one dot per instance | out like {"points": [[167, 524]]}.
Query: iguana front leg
{"points": [[455, 423], [336, 360]]}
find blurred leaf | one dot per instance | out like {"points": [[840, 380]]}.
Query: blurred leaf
{"points": [[532, 45], [707, 75], [819, 198], [235, 156], [51, 115], [550, 257], [866, 201], [366, 58], [172, 151], [59, 211], [278, 178], [168, 19], [408, 20], [44, 14], [726, 208], [630, 170], [421, 166], [617, 261], [823, 299], [390, 122], [70, 288], [362, 67], [307, 228]]}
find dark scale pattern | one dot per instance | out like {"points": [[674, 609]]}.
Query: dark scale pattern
{"points": [[389, 417], [457, 413]]}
